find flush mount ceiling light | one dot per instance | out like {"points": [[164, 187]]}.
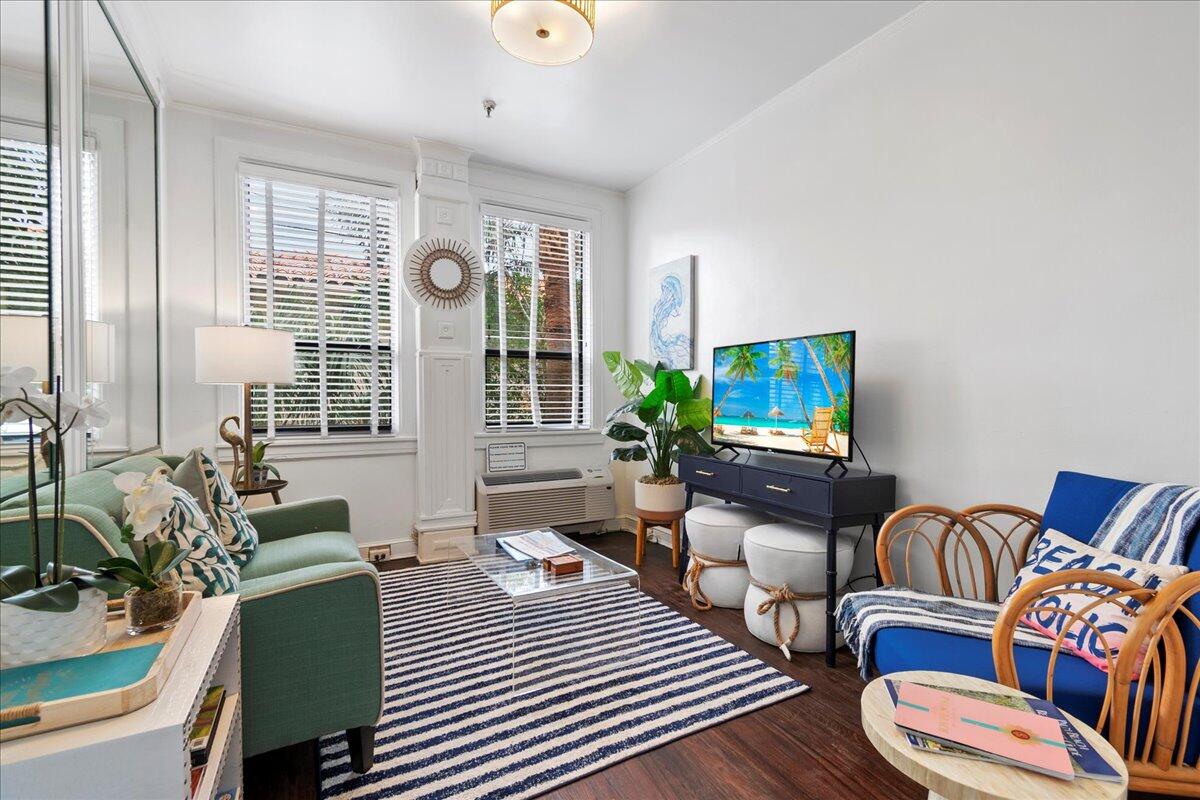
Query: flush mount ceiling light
{"points": [[544, 32]]}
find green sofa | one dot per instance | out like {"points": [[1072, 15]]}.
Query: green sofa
{"points": [[312, 649]]}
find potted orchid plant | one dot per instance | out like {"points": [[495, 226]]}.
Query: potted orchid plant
{"points": [[49, 610], [154, 601]]}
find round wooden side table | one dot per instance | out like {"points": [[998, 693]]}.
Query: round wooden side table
{"points": [[952, 778], [272, 488], [670, 518]]}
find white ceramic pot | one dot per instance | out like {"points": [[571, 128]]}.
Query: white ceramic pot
{"points": [[660, 497], [31, 637]]}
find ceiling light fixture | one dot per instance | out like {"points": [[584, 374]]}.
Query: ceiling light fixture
{"points": [[544, 32]]}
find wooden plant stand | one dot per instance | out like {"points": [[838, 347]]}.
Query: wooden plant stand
{"points": [[651, 518]]}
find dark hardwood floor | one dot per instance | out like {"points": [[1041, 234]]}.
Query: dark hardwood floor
{"points": [[810, 746]]}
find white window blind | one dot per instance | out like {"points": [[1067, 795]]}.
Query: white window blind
{"points": [[24, 228], [321, 262], [537, 321]]}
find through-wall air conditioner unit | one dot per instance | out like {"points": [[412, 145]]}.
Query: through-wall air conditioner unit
{"points": [[569, 498]]}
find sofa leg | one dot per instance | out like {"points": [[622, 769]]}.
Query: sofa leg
{"points": [[362, 747]]}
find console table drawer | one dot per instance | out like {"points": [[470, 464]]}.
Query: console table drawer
{"points": [[786, 490], [710, 473]]}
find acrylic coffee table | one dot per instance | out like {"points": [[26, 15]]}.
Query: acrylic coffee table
{"points": [[559, 625]]}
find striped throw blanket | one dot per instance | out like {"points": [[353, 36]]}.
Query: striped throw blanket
{"points": [[1151, 522]]}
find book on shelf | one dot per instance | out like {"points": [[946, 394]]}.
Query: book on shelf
{"points": [[201, 738], [234, 793], [1006, 734], [197, 776], [1085, 760]]}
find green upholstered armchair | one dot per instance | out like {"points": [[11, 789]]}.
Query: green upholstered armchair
{"points": [[312, 647]]}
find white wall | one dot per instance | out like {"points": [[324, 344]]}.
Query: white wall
{"points": [[379, 482], [1002, 199]]}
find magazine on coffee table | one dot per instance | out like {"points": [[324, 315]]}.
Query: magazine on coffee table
{"points": [[539, 544], [1086, 762]]}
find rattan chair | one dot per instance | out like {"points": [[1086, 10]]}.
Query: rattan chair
{"points": [[1154, 721]]}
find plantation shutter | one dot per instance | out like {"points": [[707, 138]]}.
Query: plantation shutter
{"points": [[537, 321], [24, 228], [321, 262]]}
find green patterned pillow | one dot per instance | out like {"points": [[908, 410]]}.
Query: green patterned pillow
{"points": [[201, 476], [208, 569]]}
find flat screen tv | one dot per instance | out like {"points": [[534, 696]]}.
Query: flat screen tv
{"points": [[786, 395]]}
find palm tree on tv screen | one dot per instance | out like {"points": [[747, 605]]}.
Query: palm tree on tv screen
{"points": [[820, 370], [837, 356], [741, 366], [786, 369]]}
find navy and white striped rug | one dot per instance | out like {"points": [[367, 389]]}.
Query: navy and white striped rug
{"points": [[453, 728]]}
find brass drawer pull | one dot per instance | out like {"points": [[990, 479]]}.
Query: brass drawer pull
{"points": [[775, 488], [705, 473]]}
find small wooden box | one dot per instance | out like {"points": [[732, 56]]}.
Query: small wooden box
{"points": [[563, 565]]}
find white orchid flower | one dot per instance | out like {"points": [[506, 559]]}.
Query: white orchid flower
{"points": [[149, 499], [74, 412], [19, 395]]}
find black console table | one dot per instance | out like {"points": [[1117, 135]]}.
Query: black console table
{"points": [[795, 488]]}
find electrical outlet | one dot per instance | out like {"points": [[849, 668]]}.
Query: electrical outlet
{"points": [[381, 552]]}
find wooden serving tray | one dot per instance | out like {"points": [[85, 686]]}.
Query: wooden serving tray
{"points": [[72, 683]]}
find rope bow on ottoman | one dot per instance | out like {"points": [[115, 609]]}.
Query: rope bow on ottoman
{"points": [[785, 601], [777, 598], [716, 574]]}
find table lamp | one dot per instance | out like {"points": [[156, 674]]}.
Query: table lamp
{"points": [[232, 354]]}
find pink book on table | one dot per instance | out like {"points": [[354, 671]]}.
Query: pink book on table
{"points": [[1019, 736]]}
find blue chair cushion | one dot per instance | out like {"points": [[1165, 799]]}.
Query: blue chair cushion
{"points": [[1078, 686]]}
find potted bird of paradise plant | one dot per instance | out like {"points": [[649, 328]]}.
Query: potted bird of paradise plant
{"points": [[672, 418]]}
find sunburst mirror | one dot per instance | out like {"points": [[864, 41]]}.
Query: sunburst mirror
{"points": [[442, 271]]}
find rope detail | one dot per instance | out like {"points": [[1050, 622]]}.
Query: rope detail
{"points": [[777, 597], [25, 711], [691, 578]]}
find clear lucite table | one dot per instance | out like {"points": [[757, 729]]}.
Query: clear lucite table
{"points": [[559, 628]]}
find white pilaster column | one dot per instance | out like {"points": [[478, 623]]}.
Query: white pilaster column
{"points": [[445, 428]]}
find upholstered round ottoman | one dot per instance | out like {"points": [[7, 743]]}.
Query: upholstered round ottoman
{"points": [[785, 602], [717, 574]]}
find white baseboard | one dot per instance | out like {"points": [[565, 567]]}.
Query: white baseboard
{"points": [[656, 533], [401, 548]]}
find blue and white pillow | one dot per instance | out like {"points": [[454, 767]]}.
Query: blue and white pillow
{"points": [[208, 569], [1056, 552], [201, 476]]}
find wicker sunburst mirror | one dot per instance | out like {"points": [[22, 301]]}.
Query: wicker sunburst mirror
{"points": [[442, 271]]}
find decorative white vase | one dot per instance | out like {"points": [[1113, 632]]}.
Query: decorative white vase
{"points": [[664, 498], [31, 637]]}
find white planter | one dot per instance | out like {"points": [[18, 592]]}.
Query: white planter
{"points": [[663, 498], [30, 637]]}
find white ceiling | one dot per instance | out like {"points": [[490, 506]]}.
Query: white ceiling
{"points": [[661, 78]]}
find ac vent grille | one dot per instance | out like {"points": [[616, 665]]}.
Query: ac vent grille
{"points": [[537, 508], [505, 479]]}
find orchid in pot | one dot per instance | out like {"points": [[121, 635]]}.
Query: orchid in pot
{"points": [[154, 601], [49, 610], [672, 418]]}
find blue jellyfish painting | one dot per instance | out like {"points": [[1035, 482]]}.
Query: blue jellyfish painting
{"points": [[671, 314]]}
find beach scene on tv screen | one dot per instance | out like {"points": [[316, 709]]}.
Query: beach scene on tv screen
{"points": [[789, 394]]}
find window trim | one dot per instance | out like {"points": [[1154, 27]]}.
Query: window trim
{"points": [[326, 183], [490, 206], [381, 168]]}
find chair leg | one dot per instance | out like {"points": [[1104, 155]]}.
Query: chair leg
{"points": [[640, 546], [675, 543], [362, 748]]}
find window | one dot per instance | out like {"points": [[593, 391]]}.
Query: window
{"points": [[537, 321], [319, 260]]}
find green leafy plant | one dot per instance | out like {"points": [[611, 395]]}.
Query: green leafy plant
{"points": [[153, 570], [664, 402], [21, 586], [257, 462]]}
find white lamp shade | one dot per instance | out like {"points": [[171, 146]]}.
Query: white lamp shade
{"points": [[236, 354], [101, 352], [25, 342], [544, 32]]}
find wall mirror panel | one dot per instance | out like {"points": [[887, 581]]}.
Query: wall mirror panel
{"points": [[25, 225], [119, 245], [78, 234]]}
